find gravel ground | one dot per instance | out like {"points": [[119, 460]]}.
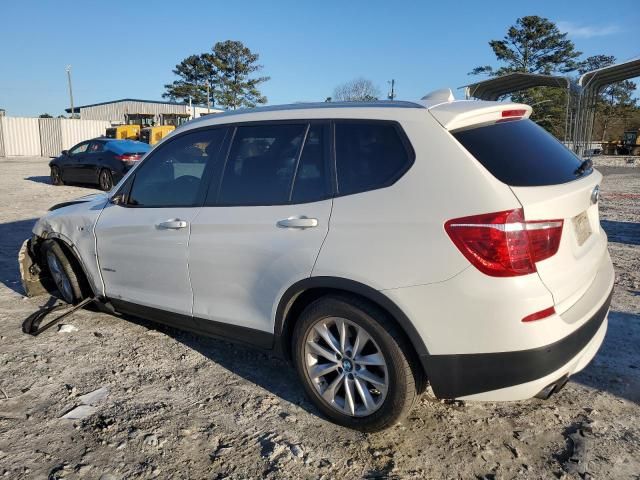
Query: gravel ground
{"points": [[173, 405]]}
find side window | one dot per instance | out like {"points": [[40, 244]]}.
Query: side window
{"points": [[172, 175], [261, 165], [95, 147], [368, 156], [79, 149], [312, 180]]}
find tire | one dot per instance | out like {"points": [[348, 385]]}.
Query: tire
{"points": [[56, 175], [105, 180], [397, 383], [65, 274]]}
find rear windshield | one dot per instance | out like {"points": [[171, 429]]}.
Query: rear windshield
{"points": [[521, 154]]}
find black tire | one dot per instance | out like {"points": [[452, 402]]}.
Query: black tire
{"points": [[405, 377], [105, 180], [66, 275], [56, 175]]}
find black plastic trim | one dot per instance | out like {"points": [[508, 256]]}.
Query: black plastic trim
{"points": [[344, 285], [453, 376], [209, 328], [66, 204]]}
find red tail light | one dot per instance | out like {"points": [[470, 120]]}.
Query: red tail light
{"points": [[547, 312], [503, 244], [128, 157]]}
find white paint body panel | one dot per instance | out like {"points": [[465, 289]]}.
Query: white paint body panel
{"points": [[142, 263], [241, 262]]}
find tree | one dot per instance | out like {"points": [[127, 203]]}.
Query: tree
{"points": [[226, 71], [358, 90], [233, 66], [194, 72], [45, 115], [536, 45]]}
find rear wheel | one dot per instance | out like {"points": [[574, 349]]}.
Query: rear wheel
{"points": [[105, 180], [56, 175], [65, 275], [355, 364]]}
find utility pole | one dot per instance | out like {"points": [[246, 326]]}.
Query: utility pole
{"points": [[68, 69], [392, 92], [208, 99]]}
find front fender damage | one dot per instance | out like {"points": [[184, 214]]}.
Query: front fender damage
{"points": [[35, 279]]}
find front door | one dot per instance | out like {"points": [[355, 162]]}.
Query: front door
{"points": [[142, 242], [261, 230], [72, 163]]}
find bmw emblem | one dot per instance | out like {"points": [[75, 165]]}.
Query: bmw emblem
{"points": [[595, 194]]}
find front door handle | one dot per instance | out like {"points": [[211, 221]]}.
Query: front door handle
{"points": [[298, 222], [173, 224]]}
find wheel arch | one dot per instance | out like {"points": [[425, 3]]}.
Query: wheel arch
{"points": [[305, 291], [69, 248]]}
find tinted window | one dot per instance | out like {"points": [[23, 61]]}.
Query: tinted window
{"points": [[368, 156], [520, 153], [96, 147], [171, 176], [311, 180], [261, 164]]}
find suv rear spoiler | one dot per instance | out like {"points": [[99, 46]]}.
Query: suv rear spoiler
{"points": [[464, 113]]}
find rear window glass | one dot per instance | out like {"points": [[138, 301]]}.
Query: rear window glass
{"points": [[521, 154]]}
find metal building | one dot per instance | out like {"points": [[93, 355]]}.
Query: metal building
{"points": [[146, 112]]}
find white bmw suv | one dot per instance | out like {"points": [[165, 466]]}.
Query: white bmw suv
{"points": [[379, 246]]}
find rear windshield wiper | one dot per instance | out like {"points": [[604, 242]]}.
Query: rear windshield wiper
{"points": [[584, 166]]}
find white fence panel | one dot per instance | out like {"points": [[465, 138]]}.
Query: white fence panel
{"points": [[75, 131], [50, 136], [21, 136]]}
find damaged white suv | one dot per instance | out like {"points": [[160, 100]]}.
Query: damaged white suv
{"points": [[379, 246]]}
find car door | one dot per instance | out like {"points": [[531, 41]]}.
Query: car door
{"points": [[93, 158], [71, 170], [143, 233], [261, 229]]}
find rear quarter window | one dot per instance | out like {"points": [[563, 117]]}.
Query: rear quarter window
{"points": [[521, 153], [369, 155]]}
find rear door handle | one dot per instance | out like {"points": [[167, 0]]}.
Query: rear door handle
{"points": [[298, 222], [174, 224]]}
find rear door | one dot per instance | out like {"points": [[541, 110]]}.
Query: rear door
{"points": [[261, 229], [551, 183], [88, 169]]}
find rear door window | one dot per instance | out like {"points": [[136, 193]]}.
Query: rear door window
{"points": [[261, 164], [521, 153], [312, 180], [369, 155]]}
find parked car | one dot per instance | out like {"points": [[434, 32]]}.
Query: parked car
{"points": [[102, 161], [379, 246]]}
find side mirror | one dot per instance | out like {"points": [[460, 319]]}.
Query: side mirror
{"points": [[65, 153], [117, 199]]}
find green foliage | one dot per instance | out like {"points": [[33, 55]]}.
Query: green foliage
{"points": [[45, 115], [534, 45], [227, 70]]}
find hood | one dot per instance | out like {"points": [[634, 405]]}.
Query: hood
{"points": [[93, 197]]}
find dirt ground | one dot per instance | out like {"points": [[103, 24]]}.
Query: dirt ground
{"points": [[178, 406]]}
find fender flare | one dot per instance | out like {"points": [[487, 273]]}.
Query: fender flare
{"points": [[349, 286]]}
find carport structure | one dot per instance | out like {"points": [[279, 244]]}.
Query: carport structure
{"points": [[582, 95]]}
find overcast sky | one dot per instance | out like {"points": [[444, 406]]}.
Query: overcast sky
{"points": [[128, 49]]}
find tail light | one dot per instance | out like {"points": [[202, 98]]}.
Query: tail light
{"points": [[503, 244], [128, 157]]}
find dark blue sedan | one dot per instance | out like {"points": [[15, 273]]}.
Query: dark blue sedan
{"points": [[102, 161]]}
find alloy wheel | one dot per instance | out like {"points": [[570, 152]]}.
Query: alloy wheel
{"points": [[346, 366], [59, 277], [106, 183]]}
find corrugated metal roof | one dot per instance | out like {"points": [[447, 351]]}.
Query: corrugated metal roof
{"points": [[602, 77], [76, 109], [494, 88]]}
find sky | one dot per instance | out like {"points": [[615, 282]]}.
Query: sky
{"points": [[121, 49]]}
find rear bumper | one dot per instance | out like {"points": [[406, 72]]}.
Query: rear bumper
{"points": [[521, 374]]}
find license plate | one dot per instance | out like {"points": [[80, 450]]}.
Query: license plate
{"points": [[582, 227]]}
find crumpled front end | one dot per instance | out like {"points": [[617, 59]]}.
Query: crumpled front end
{"points": [[35, 278]]}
